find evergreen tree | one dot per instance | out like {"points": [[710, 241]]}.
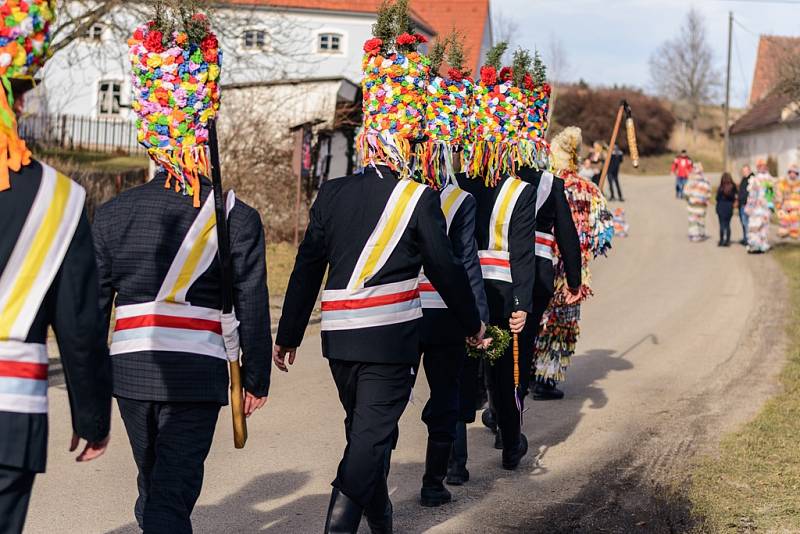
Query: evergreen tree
{"points": [[521, 66], [437, 55], [384, 28], [455, 51], [539, 70], [494, 57]]}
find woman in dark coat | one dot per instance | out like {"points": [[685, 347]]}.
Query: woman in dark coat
{"points": [[726, 198]]}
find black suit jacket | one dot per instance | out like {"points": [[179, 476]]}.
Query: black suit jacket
{"points": [[555, 217], [440, 325], [71, 308], [503, 297], [341, 221], [137, 235]]}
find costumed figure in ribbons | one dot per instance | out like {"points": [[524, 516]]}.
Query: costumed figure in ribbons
{"points": [[787, 204], [48, 278], [505, 232], [560, 329], [698, 194], [759, 208], [621, 226], [442, 341], [373, 232], [157, 251]]}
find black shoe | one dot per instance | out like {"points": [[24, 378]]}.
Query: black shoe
{"points": [[433, 492], [344, 514], [498, 441], [547, 390], [511, 459], [381, 524], [457, 473], [621, 199], [488, 420], [720, 244]]}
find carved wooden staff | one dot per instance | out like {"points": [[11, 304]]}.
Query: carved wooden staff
{"points": [[624, 108], [226, 274]]}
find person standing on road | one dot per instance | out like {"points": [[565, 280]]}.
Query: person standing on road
{"points": [[698, 195], [681, 169], [760, 205], [726, 199], [48, 278], [613, 173], [747, 174], [787, 204], [373, 232], [157, 256]]}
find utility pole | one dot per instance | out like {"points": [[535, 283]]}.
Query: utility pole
{"points": [[726, 151]]}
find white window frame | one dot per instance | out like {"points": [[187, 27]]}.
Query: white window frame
{"points": [[94, 28], [254, 49], [101, 95], [342, 35]]}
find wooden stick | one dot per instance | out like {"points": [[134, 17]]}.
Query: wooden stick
{"points": [[611, 146], [516, 361]]}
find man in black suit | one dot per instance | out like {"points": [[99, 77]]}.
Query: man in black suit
{"points": [[372, 233], [614, 164], [168, 357], [505, 230], [444, 352], [48, 278]]}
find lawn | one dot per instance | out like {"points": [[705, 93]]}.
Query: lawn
{"points": [[755, 481], [280, 260], [93, 160]]}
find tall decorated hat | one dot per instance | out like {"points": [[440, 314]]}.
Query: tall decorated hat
{"points": [[176, 63], [507, 126], [447, 113], [24, 48], [394, 85], [532, 145]]}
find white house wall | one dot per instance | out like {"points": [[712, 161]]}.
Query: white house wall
{"points": [[781, 142]]}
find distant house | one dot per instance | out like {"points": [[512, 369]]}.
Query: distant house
{"points": [[770, 129]]}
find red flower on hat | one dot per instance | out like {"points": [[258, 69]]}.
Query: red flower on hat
{"points": [[153, 42], [209, 44], [373, 46], [506, 73], [528, 82], [406, 39], [455, 74], [421, 39], [546, 88], [138, 34], [488, 75]]}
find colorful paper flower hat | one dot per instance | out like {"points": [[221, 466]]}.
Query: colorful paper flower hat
{"points": [[176, 68], [507, 122], [447, 114], [24, 47], [394, 83]]}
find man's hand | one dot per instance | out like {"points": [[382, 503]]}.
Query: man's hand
{"points": [[279, 355], [517, 321], [477, 341], [574, 296], [92, 451], [252, 403]]}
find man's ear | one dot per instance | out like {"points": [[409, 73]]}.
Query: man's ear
{"points": [[19, 104]]}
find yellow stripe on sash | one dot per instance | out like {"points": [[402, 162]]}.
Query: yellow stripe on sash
{"points": [[187, 271], [39, 249], [449, 201], [388, 231], [501, 215]]}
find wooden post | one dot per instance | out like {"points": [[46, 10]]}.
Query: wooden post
{"points": [[611, 146]]}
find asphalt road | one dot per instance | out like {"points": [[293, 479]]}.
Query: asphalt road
{"points": [[681, 342]]}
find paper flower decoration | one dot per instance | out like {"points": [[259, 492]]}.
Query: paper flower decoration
{"points": [[176, 92]]}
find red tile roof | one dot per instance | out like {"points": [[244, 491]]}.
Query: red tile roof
{"points": [[345, 6], [764, 113], [772, 50], [470, 17]]}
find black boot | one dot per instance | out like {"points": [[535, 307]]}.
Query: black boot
{"points": [[498, 440], [379, 513], [344, 514], [511, 458], [433, 492], [547, 390], [457, 473], [488, 420]]}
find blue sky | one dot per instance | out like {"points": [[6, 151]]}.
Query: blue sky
{"points": [[610, 41]]}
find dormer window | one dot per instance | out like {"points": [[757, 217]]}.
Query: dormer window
{"points": [[330, 43], [94, 32], [254, 40]]}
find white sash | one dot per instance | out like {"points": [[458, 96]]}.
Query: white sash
{"points": [[496, 261]]}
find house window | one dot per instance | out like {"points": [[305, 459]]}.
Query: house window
{"points": [[109, 98], [330, 43], [94, 32], [254, 39]]}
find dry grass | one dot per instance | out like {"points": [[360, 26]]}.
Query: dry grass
{"points": [[280, 261], [755, 481]]}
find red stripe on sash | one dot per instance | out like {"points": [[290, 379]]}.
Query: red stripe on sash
{"points": [[426, 287], [545, 241], [169, 321], [370, 302], [495, 261], [36, 371]]}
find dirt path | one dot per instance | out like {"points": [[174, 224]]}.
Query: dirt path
{"points": [[680, 344]]}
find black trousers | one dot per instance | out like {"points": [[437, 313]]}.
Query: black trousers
{"points": [[443, 365], [15, 495], [170, 442], [613, 180], [373, 396]]}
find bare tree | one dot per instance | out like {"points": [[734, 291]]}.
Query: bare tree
{"points": [[504, 29], [558, 67], [683, 68]]}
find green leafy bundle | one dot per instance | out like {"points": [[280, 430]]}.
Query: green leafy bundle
{"points": [[501, 339]]}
